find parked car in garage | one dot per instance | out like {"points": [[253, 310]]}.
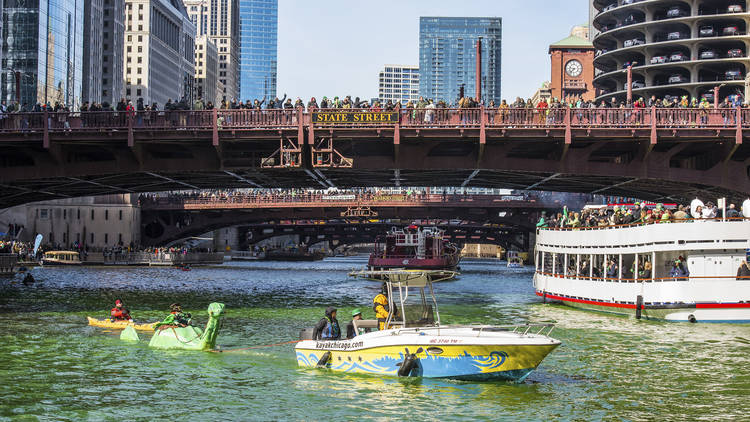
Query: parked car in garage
{"points": [[658, 59], [634, 41], [708, 54], [676, 35], [730, 30], [734, 8], [677, 79], [678, 56], [706, 31], [735, 52], [733, 74], [609, 7], [676, 12], [638, 84]]}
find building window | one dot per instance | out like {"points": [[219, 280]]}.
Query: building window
{"points": [[129, 49], [119, 238], [44, 213], [65, 214], [92, 237], [138, 92], [106, 215], [140, 59], [92, 215], [130, 38], [140, 38], [106, 238], [120, 215], [79, 214]]}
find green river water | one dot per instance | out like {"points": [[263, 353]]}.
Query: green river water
{"points": [[53, 366]]}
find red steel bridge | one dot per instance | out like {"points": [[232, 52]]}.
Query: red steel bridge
{"points": [[167, 220], [651, 153]]}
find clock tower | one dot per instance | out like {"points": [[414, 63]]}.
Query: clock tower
{"points": [[572, 62]]}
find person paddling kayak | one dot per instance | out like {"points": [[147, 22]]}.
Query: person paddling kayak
{"points": [[119, 312], [176, 317]]}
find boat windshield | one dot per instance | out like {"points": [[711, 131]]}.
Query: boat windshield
{"points": [[415, 308]]}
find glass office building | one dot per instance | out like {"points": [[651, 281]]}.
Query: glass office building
{"points": [[258, 35], [447, 57], [43, 40]]}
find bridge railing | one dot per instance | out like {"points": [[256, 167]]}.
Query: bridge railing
{"points": [[493, 118], [223, 201]]}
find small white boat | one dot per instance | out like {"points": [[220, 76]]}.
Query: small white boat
{"points": [[415, 344], [514, 261], [61, 258]]}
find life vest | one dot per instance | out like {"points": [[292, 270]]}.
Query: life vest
{"points": [[380, 306], [119, 314], [332, 331]]}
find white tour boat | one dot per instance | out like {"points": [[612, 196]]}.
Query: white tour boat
{"points": [[514, 261], [417, 345], [676, 271]]}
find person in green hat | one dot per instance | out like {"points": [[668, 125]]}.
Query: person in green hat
{"points": [[351, 332]]}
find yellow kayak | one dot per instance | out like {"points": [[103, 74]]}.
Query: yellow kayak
{"points": [[120, 324]]}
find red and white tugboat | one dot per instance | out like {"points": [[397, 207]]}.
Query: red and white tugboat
{"points": [[414, 248]]}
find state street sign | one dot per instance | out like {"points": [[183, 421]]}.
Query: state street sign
{"points": [[324, 117]]}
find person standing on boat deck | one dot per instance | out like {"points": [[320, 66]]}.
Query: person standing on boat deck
{"points": [[351, 332], [119, 312], [328, 326], [612, 271], [678, 269], [743, 272], [381, 308]]}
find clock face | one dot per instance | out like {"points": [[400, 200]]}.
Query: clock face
{"points": [[573, 68]]}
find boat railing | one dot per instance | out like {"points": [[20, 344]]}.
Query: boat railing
{"points": [[644, 280], [542, 329], [619, 226]]}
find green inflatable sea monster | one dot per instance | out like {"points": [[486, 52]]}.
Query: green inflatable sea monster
{"points": [[185, 338]]}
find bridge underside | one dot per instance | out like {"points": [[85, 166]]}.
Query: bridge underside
{"points": [[621, 162], [168, 226], [348, 234]]}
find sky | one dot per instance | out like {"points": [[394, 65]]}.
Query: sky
{"points": [[338, 47]]}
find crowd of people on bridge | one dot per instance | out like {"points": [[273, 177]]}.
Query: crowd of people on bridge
{"points": [[682, 111], [634, 214]]}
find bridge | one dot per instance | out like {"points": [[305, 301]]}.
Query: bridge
{"points": [[349, 233], [653, 154], [166, 220]]}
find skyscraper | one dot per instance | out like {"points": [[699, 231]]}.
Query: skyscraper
{"points": [[259, 29], [43, 41], [113, 51], [447, 57], [219, 20], [159, 51], [398, 83], [103, 34]]}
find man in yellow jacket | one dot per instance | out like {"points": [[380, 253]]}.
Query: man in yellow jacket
{"points": [[381, 307]]}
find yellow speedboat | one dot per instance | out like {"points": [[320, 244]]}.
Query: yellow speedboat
{"points": [[120, 325], [416, 344]]}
